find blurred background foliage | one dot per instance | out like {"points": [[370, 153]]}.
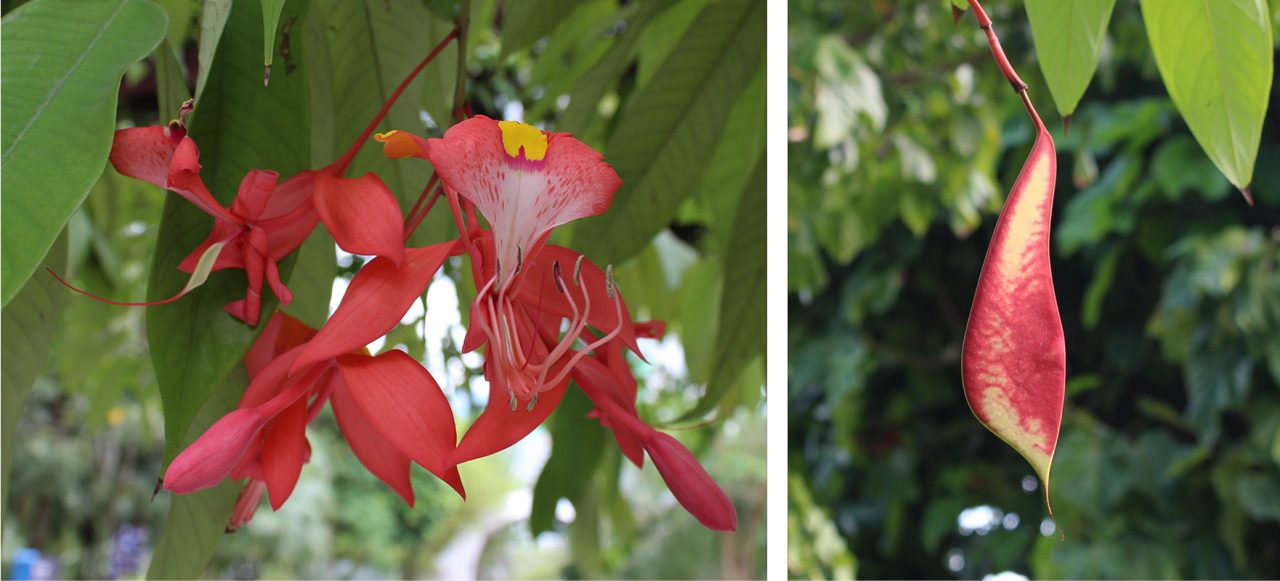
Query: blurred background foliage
{"points": [[904, 139], [90, 439]]}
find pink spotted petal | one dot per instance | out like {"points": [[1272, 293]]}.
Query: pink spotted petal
{"points": [[523, 200], [143, 153]]}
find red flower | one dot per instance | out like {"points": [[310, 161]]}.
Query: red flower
{"points": [[388, 407], [525, 183], [264, 224]]}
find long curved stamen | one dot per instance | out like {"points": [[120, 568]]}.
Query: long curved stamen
{"points": [[576, 324], [198, 276], [617, 329], [508, 310]]}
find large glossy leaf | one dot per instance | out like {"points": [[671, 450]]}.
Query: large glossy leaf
{"points": [[27, 326], [592, 86], [741, 147], [741, 335], [380, 43], [197, 521], [60, 74], [523, 23], [1216, 61], [668, 131], [313, 276], [213, 20], [1068, 37], [239, 125], [577, 446]]}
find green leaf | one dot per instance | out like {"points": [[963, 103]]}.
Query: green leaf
{"points": [[197, 521], [60, 75], [741, 145], [1068, 37], [668, 132], [740, 338], [592, 86], [524, 22], [27, 326], [577, 446], [239, 125], [213, 20], [313, 276], [180, 14], [1096, 293], [1216, 61], [1178, 166], [271, 10], [848, 96]]}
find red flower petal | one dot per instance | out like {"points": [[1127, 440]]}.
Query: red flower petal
{"points": [[499, 426], [263, 351], [212, 456], [361, 214], [255, 192], [407, 406], [283, 450], [686, 478], [232, 255], [599, 380], [281, 334], [377, 454], [378, 296], [150, 154], [690, 483], [143, 153], [290, 195]]}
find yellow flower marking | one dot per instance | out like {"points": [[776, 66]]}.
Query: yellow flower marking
{"points": [[517, 135]]}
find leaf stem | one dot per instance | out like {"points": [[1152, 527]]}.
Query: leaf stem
{"points": [[461, 24], [1001, 60]]}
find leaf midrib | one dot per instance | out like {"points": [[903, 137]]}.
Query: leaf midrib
{"points": [[57, 86]]}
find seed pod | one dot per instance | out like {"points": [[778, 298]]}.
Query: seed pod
{"points": [[1014, 360]]}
